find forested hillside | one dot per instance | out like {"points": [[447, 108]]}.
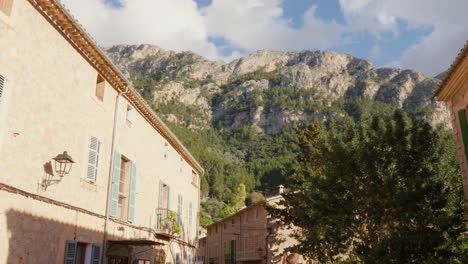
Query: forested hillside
{"points": [[240, 119]]}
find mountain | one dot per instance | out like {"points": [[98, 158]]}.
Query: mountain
{"points": [[239, 118], [241, 84]]}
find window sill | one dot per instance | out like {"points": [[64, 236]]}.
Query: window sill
{"points": [[89, 185]]}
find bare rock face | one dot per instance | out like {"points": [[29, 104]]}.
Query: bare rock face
{"points": [[218, 89]]}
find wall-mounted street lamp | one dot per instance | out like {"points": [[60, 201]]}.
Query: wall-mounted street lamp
{"points": [[63, 164]]}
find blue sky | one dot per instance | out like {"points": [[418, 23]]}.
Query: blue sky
{"points": [[424, 35]]}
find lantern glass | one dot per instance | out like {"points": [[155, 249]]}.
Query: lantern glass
{"points": [[63, 164]]}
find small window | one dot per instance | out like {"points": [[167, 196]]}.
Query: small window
{"points": [[130, 115], [5, 6], [255, 213], [143, 261], [100, 85], [166, 149]]}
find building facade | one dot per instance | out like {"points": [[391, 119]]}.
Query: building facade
{"points": [[454, 91], [250, 236], [132, 193]]}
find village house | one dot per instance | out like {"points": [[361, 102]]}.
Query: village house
{"points": [[249, 236], [454, 91], [89, 173]]}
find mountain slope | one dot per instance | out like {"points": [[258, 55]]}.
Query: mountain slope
{"points": [[239, 118], [193, 80]]}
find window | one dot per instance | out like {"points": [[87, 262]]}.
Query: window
{"points": [[166, 149], [5, 6], [93, 159], [100, 86], [81, 253], [256, 213], [178, 258], [130, 115], [163, 203], [194, 178], [181, 165], [143, 261], [123, 187]]}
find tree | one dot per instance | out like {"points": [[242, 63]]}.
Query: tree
{"points": [[384, 191], [254, 197]]}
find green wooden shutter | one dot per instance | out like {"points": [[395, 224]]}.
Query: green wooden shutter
{"points": [[70, 252], [160, 197], [190, 214], [179, 208], [168, 197], [95, 253], [131, 201], [464, 129], [114, 203]]}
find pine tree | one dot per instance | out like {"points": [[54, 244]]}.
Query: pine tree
{"points": [[386, 191]]}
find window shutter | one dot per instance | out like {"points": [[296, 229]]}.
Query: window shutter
{"points": [[114, 203], [95, 253], [2, 86], [70, 252], [464, 129], [190, 213], [168, 200], [131, 201], [179, 208], [93, 159], [160, 197]]}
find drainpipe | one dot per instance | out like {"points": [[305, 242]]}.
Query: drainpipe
{"points": [[111, 170]]}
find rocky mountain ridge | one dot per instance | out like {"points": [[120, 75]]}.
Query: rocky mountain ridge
{"points": [[240, 92]]}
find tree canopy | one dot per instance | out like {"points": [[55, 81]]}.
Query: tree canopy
{"points": [[386, 190]]}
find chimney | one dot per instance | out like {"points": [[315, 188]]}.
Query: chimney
{"points": [[280, 189]]}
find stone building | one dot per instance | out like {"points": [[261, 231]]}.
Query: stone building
{"points": [[132, 192], [250, 236], [454, 91]]}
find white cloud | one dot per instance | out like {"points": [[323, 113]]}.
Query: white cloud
{"points": [[174, 24], [249, 25], [434, 52], [375, 52], [179, 25]]}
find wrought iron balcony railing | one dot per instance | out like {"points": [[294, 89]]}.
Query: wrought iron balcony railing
{"points": [[167, 222]]}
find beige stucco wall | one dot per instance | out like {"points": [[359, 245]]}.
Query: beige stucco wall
{"points": [[457, 102], [49, 107]]}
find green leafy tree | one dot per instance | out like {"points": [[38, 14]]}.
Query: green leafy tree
{"points": [[254, 197], [384, 191]]}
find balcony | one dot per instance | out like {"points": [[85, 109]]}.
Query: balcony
{"points": [[248, 255], [167, 224]]}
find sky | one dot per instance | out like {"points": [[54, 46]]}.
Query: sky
{"points": [[424, 35]]}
